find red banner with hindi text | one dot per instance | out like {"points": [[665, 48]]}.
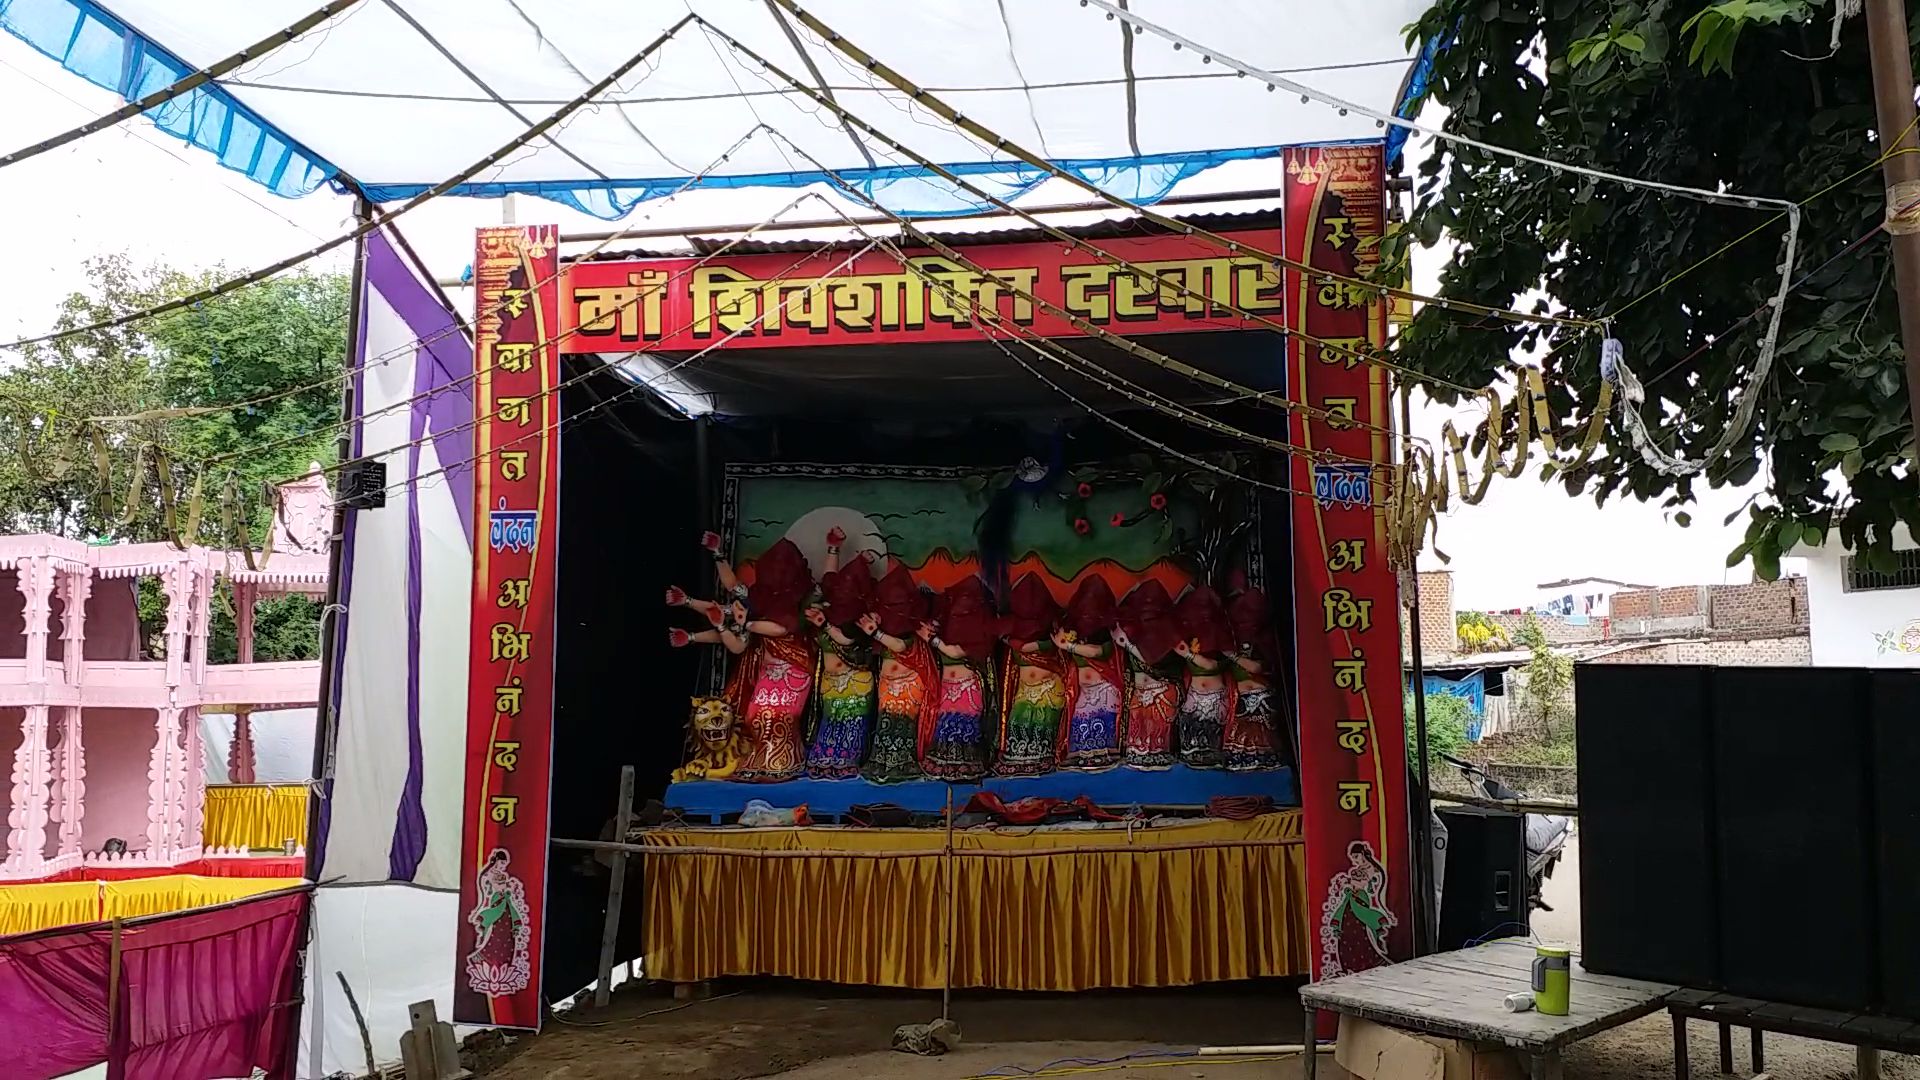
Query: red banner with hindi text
{"points": [[1353, 766], [503, 851], [688, 304]]}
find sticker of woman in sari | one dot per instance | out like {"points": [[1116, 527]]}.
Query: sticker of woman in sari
{"points": [[907, 677], [498, 965], [1036, 681], [955, 748], [1090, 738], [1355, 919], [844, 712], [1251, 740], [772, 679], [1208, 699], [1147, 634]]}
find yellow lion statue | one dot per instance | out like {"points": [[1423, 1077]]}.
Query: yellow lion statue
{"points": [[717, 742]]}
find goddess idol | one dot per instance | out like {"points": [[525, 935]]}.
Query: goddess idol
{"points": [[907, 677], [844, 712], [1147, 633], [1035, 682], [1249, 740], [1208, 698], [1091, 737], [956, 746], [772, 678]]}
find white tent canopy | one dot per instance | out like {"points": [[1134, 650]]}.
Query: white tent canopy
{"points": [[398, 95]]}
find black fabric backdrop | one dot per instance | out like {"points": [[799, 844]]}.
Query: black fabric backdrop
{"points": [[629, 522]]}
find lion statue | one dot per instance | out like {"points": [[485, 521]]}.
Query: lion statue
{"points": [[717, 742]]}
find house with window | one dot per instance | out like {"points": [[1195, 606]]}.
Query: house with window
{"points": [[1863, 615]]}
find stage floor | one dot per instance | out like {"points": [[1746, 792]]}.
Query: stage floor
{"points": [[1120, 787]]}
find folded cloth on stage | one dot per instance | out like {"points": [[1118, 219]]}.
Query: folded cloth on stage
{"points": [[1037, 811], [879, 816], [1239, 807], [761, 814]]}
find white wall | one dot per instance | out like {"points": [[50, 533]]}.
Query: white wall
{"points": [[1542, 597], [1877, 628]]}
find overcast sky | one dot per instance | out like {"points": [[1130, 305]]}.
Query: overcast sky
{"points": [[135, 189]]}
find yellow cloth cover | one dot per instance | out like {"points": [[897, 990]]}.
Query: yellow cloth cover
{"points": [[178, 892], [254, 815], [27, 908], [1132, 917]]}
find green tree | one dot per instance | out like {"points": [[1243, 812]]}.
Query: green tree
{"points": [[1546, 703], [1742, 94], [1447, 719], [280, 344]]}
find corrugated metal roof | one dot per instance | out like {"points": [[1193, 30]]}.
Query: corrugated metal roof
{"points": [[1256, 215]]}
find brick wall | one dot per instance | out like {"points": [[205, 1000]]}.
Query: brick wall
{"points": [[1437, 633], [1656, 603], [1754, 606], [1766, 604], [1559, 631], [1786, 650]]}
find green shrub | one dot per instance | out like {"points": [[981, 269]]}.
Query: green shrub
{"points": [[1447, 718]]}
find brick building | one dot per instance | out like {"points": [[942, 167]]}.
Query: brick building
{"points": [[1763, 622]]}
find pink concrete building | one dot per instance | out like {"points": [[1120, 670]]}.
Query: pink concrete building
{"points": [[104, 738]]}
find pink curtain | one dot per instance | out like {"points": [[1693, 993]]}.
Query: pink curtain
{"points": [[202, 993]]}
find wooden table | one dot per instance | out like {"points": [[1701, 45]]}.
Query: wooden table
{"points": [[1866, 1033], [1459, 995]]}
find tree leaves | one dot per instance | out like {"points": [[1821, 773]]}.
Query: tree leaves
{"points": [[1779, 127], [1716, 30], [283, 339]]}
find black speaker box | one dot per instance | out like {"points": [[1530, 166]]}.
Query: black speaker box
{"points": [[1794, 820], [1485, 892], [1647, 869], [1753, 830], [1896, 753]]}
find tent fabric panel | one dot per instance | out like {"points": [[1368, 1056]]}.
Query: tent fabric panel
{"points": [[371, 95], [93, 44]]}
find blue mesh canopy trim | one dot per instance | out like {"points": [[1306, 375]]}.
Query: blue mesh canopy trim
{"points": [[100, 49], [903, 189]]}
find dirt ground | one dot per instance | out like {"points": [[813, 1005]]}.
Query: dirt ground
{"points": [[803, 1032]]}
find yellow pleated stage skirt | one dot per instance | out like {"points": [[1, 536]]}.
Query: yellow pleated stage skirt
{"points": [[254, 815], [1171, 906], [27, 908]]}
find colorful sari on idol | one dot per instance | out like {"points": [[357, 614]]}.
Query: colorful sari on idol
{"points": [[908, 678], [772, 682], [1090, 739], [1249, 741], [1153, 699], [770, 688], [1036, 683], [843, 713], [955, 748], [1207, 700]]}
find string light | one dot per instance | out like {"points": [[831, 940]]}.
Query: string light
{"points": [[1171, 285], [940, 108], [817, 284], [380, 218]]}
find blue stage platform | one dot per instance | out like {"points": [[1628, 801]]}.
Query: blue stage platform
{"points": [[1114, 788]]}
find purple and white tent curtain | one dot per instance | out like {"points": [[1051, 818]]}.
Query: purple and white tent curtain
{"points": [[386, 909]]}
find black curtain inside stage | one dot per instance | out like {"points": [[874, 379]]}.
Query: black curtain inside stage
{"points": [[629, 524]]}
